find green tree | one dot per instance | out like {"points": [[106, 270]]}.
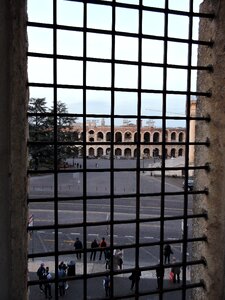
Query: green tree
{"points": [[44, 128]]}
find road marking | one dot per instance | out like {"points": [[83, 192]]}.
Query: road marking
{"points": [[75, 233], [148, 237], [129, 236], [94, 234], [42, 243], [108, 206]]}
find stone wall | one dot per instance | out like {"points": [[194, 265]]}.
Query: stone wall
{"points": [[213, 203], [13, 182]]}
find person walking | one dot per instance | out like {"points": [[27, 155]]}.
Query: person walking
{"points": [[160, 275], [135, 277], [48, 288], [64, 267], [118, 254], [94, 246], [40, 273], [102, 247], [61, 276], [107, 258], [107, 285], [167, 252], [78, 247], [176, 271]]}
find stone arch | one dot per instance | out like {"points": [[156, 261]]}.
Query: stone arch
{"points": [[91, 131], [108, 136], [99, 152], [155, 152], [100, 136], [181, 137], [127, 152], [118, 137], [91, 139], [118, 152], [156, 137], [146, 153], [91, 151], [173, 136], [147, 137], [173, 152], [127, 136], [108, 151], [180, 152], [135, 153]]}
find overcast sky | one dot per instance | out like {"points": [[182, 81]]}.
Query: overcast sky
{"points": [[99, 46]]}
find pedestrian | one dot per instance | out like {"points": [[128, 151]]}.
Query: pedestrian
{"points": [[61, 276], [135, 277], [94, 246], [48, 288], [167, 252], [78, 247], [40, 274], [107, 258], [64, 267], [160, 275], [102, 247], [118, 254], [106, 284], [176, 272]]}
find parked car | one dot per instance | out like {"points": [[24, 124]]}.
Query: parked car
{"points": [[190, 184]]}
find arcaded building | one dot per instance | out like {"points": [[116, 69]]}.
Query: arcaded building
{"points": [[125, 138]]}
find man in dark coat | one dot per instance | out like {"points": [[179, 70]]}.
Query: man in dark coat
{"points": [[78, 247], [94, 246], [135, 277], [167, 252], [40, 273], [159, 275]]}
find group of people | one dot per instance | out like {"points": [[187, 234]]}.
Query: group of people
{"points": [[44, 275], [65, 270], [103, 249], [45, 278]]}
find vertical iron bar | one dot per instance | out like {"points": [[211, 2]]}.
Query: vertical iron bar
{"points": [[112, 121], [138, 171], [85, 148], [164, 105], [55, 100]]}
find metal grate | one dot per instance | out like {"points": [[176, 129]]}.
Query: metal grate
{"points": [[71, 194]]}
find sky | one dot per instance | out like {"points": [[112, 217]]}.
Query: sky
{"points": [[99, 46]]}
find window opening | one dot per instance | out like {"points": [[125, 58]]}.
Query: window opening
{"points": [[104, 67]]}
